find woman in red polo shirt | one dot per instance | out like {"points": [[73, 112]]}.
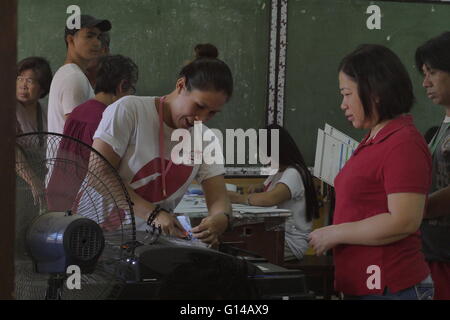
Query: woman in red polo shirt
{"points": [[381, 191]]}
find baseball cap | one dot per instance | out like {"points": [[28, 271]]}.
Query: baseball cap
{"points": [[87, 21]]}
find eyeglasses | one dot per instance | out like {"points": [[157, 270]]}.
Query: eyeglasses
{"points": [[28, 81]]}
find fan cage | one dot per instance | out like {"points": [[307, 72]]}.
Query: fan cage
{"points": [[60, 173], [85, 242]]}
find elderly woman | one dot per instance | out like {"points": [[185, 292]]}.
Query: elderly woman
{"points": [[33, 83]]}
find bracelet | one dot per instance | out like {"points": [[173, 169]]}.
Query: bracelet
{"points": [[154, 214]]}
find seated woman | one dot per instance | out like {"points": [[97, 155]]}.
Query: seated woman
{"points": [[381, 190], [34, 77], [290, 188]]}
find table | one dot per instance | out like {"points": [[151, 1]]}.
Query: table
{"points": [[258, 230]]}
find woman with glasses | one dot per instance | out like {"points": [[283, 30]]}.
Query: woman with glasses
{"points": [[33, 83]]}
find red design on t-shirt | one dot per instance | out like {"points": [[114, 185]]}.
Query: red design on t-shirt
{"points": [[113, 220], [177, 175]]}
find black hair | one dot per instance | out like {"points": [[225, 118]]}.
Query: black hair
{"points": [[208, 73], [383, 82], [206, 50], [290, 156], [41, 68], [435, 53], [111, 70]]}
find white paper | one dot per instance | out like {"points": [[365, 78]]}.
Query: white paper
{"points": [[333, 150]]}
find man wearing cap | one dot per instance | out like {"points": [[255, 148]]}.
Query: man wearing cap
{"points": [[91, 71], [70, 87]]}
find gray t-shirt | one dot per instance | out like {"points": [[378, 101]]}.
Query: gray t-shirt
{"points": [[436, 232], [26, 124]]}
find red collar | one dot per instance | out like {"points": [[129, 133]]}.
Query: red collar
{"points": [[393, 126]]}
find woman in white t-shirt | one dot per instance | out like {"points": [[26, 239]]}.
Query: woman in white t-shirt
{"points": [[135, 133], [290, 188]]}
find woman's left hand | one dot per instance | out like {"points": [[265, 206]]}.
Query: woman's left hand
{"points": [[323, 239], [211, 227]]}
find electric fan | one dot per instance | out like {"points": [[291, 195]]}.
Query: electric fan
{"points": [[73, 214], [74, 217]]}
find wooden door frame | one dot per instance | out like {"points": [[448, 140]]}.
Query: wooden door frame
{"points": [[8, 60]]}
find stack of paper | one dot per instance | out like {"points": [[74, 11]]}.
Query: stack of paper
{"points": [[197, 204], [191, 204], [242, 208], [333, 150]]}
